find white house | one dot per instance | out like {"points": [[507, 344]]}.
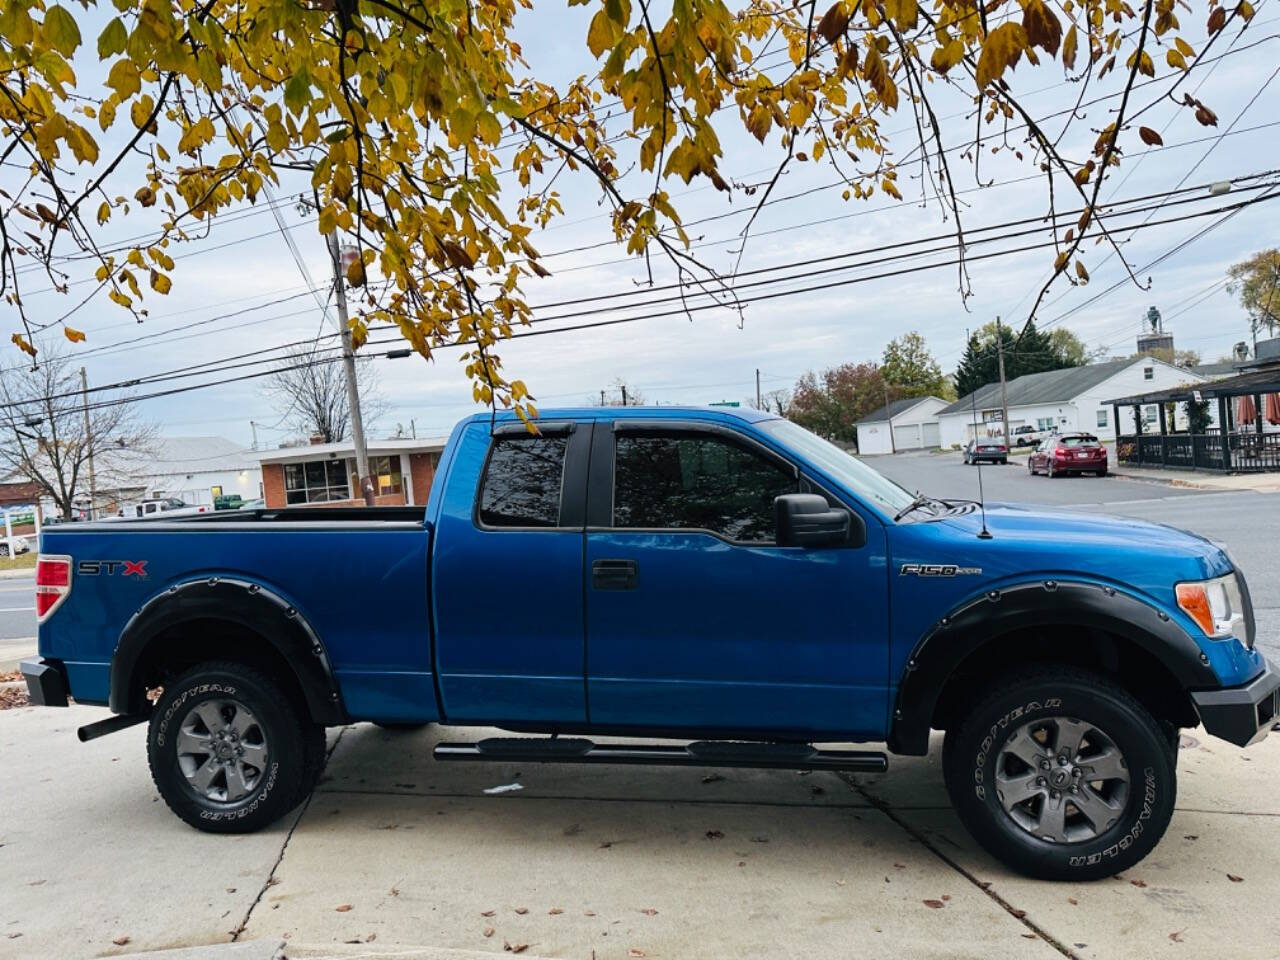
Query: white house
{"points": [[1074, 398], [191, 469], [910, 424]]}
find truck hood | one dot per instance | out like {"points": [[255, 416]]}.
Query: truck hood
{"points": [[1151, 556]]}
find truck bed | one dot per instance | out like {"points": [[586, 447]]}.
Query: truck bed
{"points": [[313, 516]]}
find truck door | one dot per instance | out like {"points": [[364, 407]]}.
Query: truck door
{"points": [[507, 576], [697, 621]]}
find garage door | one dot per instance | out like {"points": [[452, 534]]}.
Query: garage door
{"points": [[907, 436], [932, 434]]}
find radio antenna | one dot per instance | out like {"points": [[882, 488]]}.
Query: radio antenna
{"points": [[985, 534]]}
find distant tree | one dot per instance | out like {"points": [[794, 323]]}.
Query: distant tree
{"points": [[1255, 281], [1033, 352], [45, 439], [310, 391], [831, 404], [908, 366], [618, 394], [775, 401]]}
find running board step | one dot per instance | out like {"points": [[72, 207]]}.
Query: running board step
{"points": [[704, 753]]}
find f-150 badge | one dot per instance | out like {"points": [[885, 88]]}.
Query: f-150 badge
{"points": [[936, 570]]}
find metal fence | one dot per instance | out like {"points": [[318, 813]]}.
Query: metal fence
{"points": [[1246, 452]]}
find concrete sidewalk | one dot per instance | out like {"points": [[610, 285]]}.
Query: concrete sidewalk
{"points": [[397, 855]]}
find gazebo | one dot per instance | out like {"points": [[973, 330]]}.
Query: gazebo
{"points": [[1241, 443]]}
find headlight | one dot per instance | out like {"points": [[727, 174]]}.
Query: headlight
{"points": [[1215, 605]]}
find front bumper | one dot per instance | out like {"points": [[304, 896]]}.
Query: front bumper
{"points": [[1241, 715], [46, 682]]}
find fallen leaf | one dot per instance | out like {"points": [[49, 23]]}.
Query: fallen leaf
{"points": [[1029, 936], [934, 904], [487, 932], [1073, 901], [1019, 913], [606, 845], [522, 910], [946, 897], [514, 947], [343, 908], [1176, 936], [1234, 879], [635, 952], [588, 913], [554, 911], [712, 778], [715, 835], [818, 791], [649, 912], [1138, 883], [120, 941], [231, 889], [488, 913]]}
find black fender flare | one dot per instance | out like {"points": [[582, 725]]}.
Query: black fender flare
{"points": [[245, 604], [1045, 602]]}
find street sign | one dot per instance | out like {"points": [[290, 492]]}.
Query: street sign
{"points": [[725, 403]]}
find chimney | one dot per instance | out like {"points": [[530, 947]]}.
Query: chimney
{"points": [[317, 439]]}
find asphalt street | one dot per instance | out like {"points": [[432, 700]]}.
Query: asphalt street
{"points": [[17, 618], [1247, 523]]}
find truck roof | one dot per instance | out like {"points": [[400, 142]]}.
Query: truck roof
{"points": [[744, 414]]}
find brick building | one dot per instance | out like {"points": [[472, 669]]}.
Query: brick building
{"points": [[325, 473]]}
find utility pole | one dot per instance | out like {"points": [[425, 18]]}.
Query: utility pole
{"points": [[1004, 387], [413, 428], [624, 394], [349, 366], [254, 427], [759, 406], [88, 439], [893, 448]]}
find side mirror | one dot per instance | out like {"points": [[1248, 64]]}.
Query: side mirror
{"points": [[807, 520]]}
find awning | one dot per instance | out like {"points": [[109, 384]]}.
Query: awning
{"points": [[1273, 408]]}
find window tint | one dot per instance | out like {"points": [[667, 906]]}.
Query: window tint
{"points": [[1078, 440], [697, 482], [522, 482]]}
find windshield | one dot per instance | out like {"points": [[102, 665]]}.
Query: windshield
{"points": [[855, 475], [1078, 440]]}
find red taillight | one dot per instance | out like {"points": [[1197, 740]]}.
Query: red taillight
{"points": [[53, 584], [1060, 453]]}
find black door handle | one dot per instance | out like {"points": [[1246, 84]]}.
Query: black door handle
{"points": [[614, 574]]}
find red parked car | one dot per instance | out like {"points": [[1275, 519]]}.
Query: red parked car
{"points": [[1068, 453]]}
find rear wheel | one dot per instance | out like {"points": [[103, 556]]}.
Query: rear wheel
{"points": [[230, 750], [1061, 774]]}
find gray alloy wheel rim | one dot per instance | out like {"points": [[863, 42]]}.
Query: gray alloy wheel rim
{"points": [[222, 750], [1062, 780]]}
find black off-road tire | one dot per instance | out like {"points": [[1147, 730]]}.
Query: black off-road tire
{"points": [[295, 747], [974, 748]]}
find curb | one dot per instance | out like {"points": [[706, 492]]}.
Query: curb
{"points": [[17, 574]]}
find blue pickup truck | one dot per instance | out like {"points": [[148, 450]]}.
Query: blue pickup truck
{"points": [[724, 579]]}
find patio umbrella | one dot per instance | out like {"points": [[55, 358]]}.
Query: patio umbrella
{"points": [[1246, 412], [1273, 408]]}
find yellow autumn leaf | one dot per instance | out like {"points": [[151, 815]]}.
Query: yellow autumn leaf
{"points": [[947, 55], [72, 334], [1175, 59], [21, 342], [1000, 52], [1042, 26], [160, 283]]}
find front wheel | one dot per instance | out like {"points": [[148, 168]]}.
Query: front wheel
{"points": [[1061, 775], [230, 751]]}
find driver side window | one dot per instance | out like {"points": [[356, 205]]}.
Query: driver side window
{"points": [[694, 481]]}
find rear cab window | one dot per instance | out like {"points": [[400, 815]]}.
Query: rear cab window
{"points": [[522, 482]]}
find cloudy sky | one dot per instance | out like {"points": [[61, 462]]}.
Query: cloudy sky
{"points": [[239, 289]]}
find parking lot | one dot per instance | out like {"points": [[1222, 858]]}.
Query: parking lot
{"points": [[397, 855]]}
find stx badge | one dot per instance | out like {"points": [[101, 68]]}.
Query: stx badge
{"points": [[127, 568], [936, 570]]}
